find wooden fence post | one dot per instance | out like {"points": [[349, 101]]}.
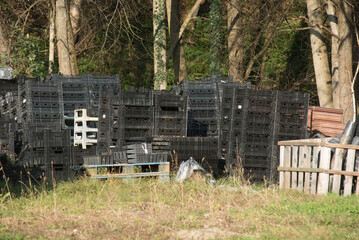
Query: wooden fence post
{"points": [[295, 165], [301, 165], [348, 183], [313, 186], [281, 164], [306, 164], [323, 181], [287, 164]]}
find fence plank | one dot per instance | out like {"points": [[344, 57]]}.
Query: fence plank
{"points": [[323, 181], [287, 163], [294, 164], [281, 164], [348, 183], [301, 165], [313, 185], [306, 164], [338, 164]]}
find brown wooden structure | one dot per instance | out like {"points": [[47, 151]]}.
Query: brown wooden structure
{"points": [[325, 121]]}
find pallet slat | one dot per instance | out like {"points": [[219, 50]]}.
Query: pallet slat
{"points": [[294, 164], [313, 187], [348, 182], [281, 164], [338, 163], [323, 181], [301, 174], [287, 164], [306, 164]]}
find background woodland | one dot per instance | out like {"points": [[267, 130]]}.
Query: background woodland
{"points": [[307, 46]]}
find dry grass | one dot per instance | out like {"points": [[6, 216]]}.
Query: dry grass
{"points": [[149, 209]]}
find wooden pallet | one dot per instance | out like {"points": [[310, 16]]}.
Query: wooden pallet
{"points": [[310, 167], [135, 170]]}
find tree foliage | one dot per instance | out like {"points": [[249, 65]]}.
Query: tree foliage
{"points": [[116, 36]]}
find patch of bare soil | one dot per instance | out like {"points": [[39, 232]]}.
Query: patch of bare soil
{"points": [[204, 233]]}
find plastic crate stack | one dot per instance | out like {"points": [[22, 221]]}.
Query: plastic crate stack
{"points": [[202, 149], [202, 108], [8, 86], [137, 114], [51, 151], [124, 115], [108, 119], [9, 141], [139, 152], [79, 92], [8, 104], [40, 107], [292, 113], [251, 125], [170, 114]]}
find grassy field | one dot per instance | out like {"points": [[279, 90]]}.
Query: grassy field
{"points": [[150, 209]]}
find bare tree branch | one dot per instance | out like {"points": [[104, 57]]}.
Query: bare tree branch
{"points": [[321, 27]]}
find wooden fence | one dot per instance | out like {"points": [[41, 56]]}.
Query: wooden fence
{"points": [[315, 166]]}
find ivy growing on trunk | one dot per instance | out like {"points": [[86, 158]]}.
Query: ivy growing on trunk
{"points": [[215, 19]]}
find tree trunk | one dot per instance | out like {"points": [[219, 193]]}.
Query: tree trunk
{"points": [[333, 21], [159, 45], [65, 43], [75, 10], [52, 37], [4, 45], [215, 20], [173, 20], [320, 55], [345, 18], [183, 67], [73, 58], [234, 40]]}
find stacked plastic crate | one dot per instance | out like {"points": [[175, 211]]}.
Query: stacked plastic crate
{"points": [[291, 121], [40, 107], [137, 114], [253, 121], [8, 138], [79, 92], [108, 119], [8, 104], [139, 152], [96, 82], [170, 114], [202, 108], [124, 116], [255, 132], [51, 151], [202, 149], [292, 111]]}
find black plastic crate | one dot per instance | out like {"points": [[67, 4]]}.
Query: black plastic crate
{"points": [[137, 111], [251, 161], [168, 99], [137, 97], [135, 150], [169, 132], [49, 138], [169, 123], [131, 132]]}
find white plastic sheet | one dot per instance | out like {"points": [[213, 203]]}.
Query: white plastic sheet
{"points": [[186, 169]]}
